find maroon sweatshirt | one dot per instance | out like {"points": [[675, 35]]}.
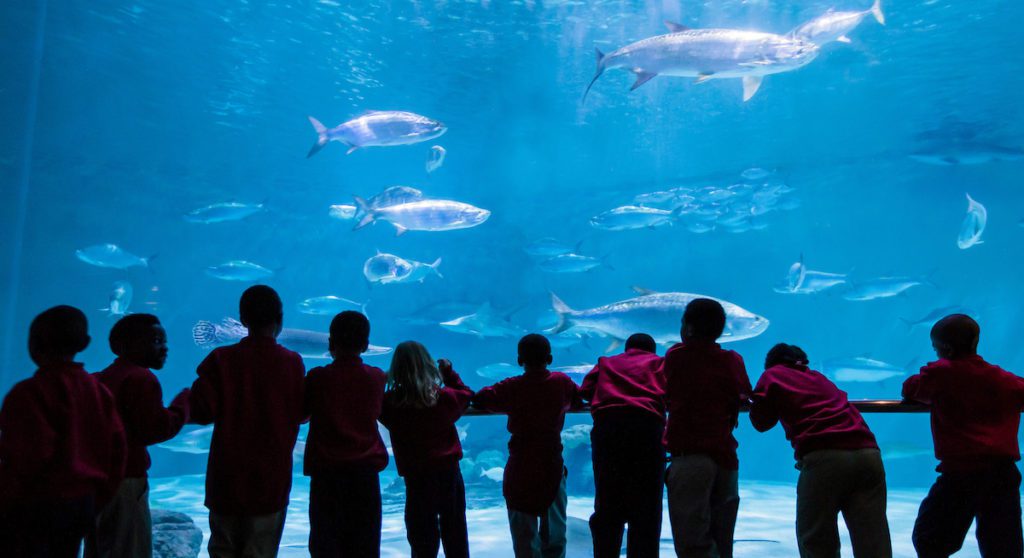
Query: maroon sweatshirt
{"points": [[536, 403], [60, 438], [815, 414], [140, 401], [705, 387], [343, 401], [632, 380], [975, 408], [252, 393], [425, 440]]}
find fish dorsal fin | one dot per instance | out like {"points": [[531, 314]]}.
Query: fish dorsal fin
{"points": [[674, 27], [642, 291]]}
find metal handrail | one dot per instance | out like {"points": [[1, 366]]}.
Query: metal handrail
{"points": [[863, 405]]}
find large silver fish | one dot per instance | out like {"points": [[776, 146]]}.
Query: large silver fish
{"points": [[377, 128], [221, 212], [629, 217], [239, 270], [309, 344], [657, 314], [833, 26], [973, 224], [860, 369], [881, 287], [709, 54], [112, 256], [423, 215], [483, 323]]}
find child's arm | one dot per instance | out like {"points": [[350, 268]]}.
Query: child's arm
{"points": [[743, 381], [492, 398], [146, 415], [589, 385], [204, 399], [763, 414], [920, 387], [459, 393]]}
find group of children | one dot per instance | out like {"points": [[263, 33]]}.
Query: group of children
{"points": [[73, 455]]}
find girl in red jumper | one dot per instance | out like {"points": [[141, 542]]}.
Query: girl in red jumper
{"points": [[421, 415]]}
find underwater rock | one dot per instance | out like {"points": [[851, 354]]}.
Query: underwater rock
{"points": [[175, 535]]}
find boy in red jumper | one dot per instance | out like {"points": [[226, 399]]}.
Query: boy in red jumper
{"points": [[344, 450], [839, 462], [62, 445], [705, 387], [534, 478], [627, 400], [124, 527], [975, 410], [252, 393]]}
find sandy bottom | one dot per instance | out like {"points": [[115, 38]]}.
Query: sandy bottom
{"points": [[764, 529]]}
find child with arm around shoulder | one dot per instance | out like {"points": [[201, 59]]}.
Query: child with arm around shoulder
{"points": [[420, 414]]}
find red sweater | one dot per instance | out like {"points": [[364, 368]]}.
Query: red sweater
{"points": [[705, 387], [633, 380], [60, 437], [252, 393], [975, 409], [815, 414], [425, 440], [140, 402], [343, 401], [536, 403]]}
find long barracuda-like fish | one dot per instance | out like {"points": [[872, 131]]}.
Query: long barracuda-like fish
{"points": [[709, 54]]}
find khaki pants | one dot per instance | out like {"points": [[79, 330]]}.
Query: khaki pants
{"points": [[703, 499], [256, 536], [124, 527], [847, 481]]}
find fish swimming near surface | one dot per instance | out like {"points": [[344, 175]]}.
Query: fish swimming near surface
{"points": [[377, 128], [221, 212], [860, 369], [967, 154], [436, 158], [570, 263], [112, 256], [834, 26], [657, 314], [309, 344], [629, 217], [973, 224], [707, 54], [548, 247], [388, 268], [423, 215], [881, 287], [328, 305], [239, 270], [484, 323], [120, 299]]}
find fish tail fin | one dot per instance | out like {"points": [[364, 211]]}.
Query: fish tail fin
{"points": [[564, 313], [435, 265], [204, 333], [600, 70], [368, 215], [321, 137], [876, 10]]}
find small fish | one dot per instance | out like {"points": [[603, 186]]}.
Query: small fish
{"points": [[389, 268], [495, 474], [973, 225], [547, 248], [834, 26], [423, 215], [110, 255], [570, 263], [377, 128], [436, 158], [755, 173], [968, 154], [860, 369], [882, 287], [800, 280], [120, 299], [327, 305], [904, 450], [930, 318], [309, 344], [499, 371], [343, 212], [630, 217], [239, 270], [221, 212], [483, 323]]}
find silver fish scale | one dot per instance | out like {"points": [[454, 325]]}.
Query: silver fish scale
{"points": [[698, 38]]}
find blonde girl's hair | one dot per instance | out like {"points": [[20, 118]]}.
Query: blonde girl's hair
{"points": [[413, 378]]}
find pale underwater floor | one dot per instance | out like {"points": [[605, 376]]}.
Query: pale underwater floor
{"points": [[764, 528]]}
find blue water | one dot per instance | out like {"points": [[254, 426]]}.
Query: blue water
{"points": [[121, 117]]}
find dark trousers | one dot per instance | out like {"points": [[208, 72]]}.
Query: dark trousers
{"points": [[992, 497], [703, 500], [543, 536], [629, 469], [435, 514], [51, 529], [345, 515], [245, 536], [851, 482], [124, 527]]}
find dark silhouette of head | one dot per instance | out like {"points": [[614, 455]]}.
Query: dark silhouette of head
{"points": [[787, 355], [534, 351], [140, 339], [956, 336], [703, 320], [260, 310], [641, 341], [350, 333], [57, 335]]}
